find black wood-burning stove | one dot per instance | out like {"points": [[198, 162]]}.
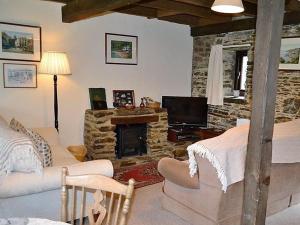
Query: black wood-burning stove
{"points": [[131, 140]]}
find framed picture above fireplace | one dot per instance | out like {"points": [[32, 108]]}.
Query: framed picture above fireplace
{"points": [[121, 49], [123, 98]]}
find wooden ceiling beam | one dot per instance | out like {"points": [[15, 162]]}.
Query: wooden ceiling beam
{"points": [[250, 8], [187, 20], [183, 19], [204, 3], [84, 9], [251, 1], [183, 8], [137, 10], [293, 5], [239, 25], [290, 5], [166, 13], [236, 25], [58, 1]]}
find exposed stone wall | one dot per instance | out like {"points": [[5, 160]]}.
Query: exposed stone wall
{"points": [[288, 93], [100, 136], [157, 136]]}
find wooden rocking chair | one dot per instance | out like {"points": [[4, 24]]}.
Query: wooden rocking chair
{"points": [[105, 189]]}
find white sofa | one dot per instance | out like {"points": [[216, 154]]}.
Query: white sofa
{"points": [[33, 195]]}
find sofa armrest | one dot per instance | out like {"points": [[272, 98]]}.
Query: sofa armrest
{"points": [[178, 172], [18, 184]]}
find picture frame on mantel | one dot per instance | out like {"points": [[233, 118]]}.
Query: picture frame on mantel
{"points": [[290, 54], [123, 98], [19, 75], [20, 42], [98, 98], [121, 49]]}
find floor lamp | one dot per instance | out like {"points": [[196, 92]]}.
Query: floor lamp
{"points": [[55, 63]]}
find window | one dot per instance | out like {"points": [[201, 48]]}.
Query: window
{"points": [[241, 71]]}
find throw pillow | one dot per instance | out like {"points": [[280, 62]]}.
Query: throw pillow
{"points": [[40, 143], [17, 153], [17, 126], [42, 146]]}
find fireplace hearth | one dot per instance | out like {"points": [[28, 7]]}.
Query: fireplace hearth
{"points": [[131, 140]]}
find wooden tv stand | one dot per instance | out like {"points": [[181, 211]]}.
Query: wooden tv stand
{"points": [[192, 134]]}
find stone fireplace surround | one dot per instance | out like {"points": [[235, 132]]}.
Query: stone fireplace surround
{"points": [[100, 136]]}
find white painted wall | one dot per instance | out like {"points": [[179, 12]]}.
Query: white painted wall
{"points": [[165, 64]]}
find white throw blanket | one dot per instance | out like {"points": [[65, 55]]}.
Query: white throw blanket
{"points": [[214, 86], [227, 152], [17, 153]]}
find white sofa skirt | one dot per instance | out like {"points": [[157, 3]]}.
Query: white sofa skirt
{"points": [[40, 205]]}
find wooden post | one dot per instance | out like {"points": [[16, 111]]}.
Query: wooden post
{"points": [[259, 153]]}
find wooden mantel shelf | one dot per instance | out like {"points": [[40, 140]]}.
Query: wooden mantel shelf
{"points": [[134, 119]]}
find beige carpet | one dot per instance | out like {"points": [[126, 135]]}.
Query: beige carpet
{"points": [[146, 210]]}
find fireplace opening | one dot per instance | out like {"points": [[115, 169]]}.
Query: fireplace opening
{"points": [[131, 140]]}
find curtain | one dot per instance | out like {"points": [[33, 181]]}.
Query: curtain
{"points": [[214, 86]]}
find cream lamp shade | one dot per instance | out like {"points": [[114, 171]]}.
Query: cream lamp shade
{"points": [[228, 6], [55, 63]]}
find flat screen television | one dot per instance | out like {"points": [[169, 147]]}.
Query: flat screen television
{"points": [[186, 111]]}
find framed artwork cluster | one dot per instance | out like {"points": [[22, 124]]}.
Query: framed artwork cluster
{"points": [[23, 43]]}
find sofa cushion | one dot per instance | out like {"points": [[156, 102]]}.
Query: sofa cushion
{"points": [[17, 126], [40, 143], [60, 155], [42, 146], [17, 152]]}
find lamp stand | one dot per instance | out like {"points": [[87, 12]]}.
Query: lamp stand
{"points": [[55, 103]]}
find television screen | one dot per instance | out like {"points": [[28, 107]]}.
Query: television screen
{"points": [[186, 110]]}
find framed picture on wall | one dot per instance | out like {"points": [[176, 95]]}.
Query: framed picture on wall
{"points": [[289, 54], [123, 98], [121, 49], [20, 42], [19, 75]]}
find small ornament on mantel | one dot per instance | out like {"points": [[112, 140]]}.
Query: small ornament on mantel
{"points": [[150, 103], [142, 105]]}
